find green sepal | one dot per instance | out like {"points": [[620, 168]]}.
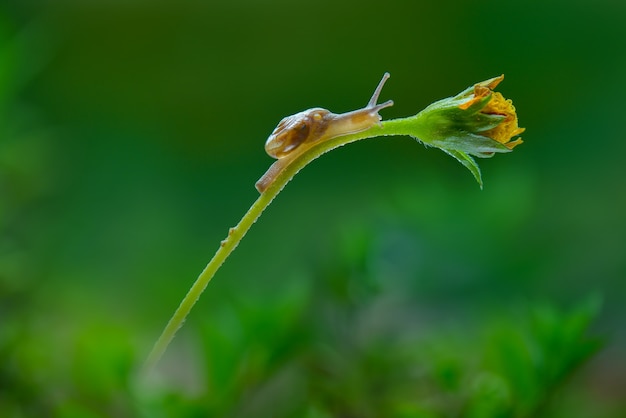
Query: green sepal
{"points": [[445, 125], [476, 145], [484, 121], [477, 105], [468, 162]]}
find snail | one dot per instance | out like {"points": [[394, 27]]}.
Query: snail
{"points": [[297, 133]]}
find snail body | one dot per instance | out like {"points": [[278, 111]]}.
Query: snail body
{"points": [[296, 133]]}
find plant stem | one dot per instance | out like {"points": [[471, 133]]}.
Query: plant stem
{"points": [[226, 247], [281, 172]]}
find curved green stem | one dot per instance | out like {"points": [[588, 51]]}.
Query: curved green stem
{"points": [[226, 247], [278, 175]]}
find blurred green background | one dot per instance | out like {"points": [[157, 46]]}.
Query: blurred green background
{"points": [[381, 282]]}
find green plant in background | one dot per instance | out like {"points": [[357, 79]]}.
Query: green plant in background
{"points": [[304, 354], [477, 122]]}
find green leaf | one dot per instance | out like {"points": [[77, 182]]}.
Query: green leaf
{"points": [[468, 162]]}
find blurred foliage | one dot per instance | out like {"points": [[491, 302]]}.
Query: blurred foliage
{"points": [[381, 283]]}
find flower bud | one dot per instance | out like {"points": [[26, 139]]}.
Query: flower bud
{"points": [[478, 121]]}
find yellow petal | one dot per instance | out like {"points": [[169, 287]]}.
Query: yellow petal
{"points": [[492, 83], [508, 128], [482, 90]]}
